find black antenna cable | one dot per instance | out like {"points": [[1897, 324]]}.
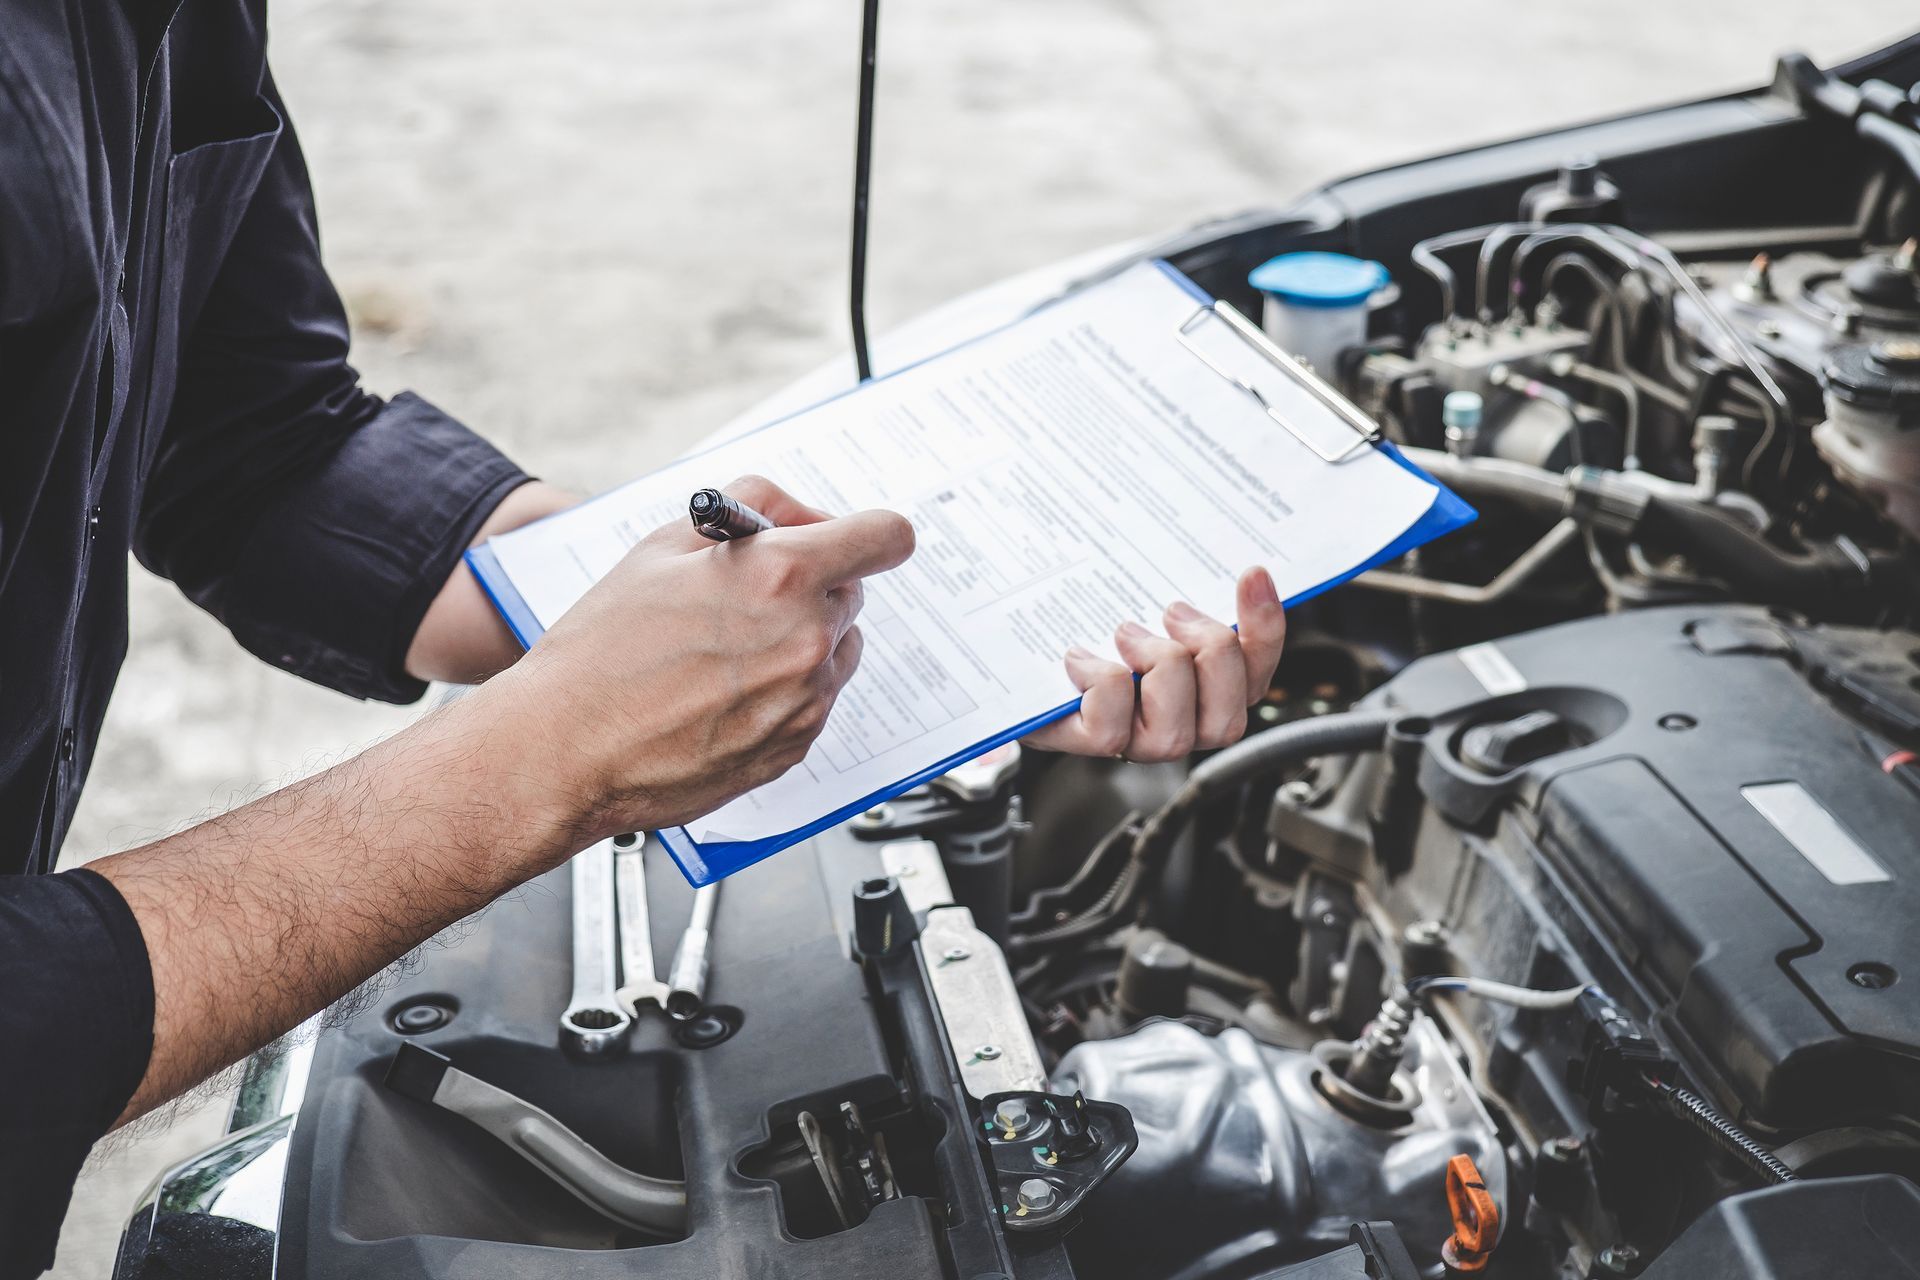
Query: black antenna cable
{"points": [[862, 171]]}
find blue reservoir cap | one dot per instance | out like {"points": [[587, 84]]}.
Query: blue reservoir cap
{"points": [[1319, 279]]}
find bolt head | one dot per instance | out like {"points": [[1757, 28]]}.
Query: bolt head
{"points": [[1620, 1258], [1012, 1114], [1037, 1194], [417, 1019], [1562, 1150], [955, 954], [986, 1052], [1903, 353], [878, 816]]}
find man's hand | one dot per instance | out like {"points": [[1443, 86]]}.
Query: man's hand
{"points": [[1196, 682], [691, 674], [696, 671]]}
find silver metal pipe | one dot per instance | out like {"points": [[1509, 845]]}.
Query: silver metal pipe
{"points": [[1504, 584]]}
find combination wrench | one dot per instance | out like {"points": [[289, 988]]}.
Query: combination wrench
{"points": [[594, 1023], [639, 983]]}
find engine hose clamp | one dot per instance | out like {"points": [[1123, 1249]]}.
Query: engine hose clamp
{"points": [[1598, 500]]}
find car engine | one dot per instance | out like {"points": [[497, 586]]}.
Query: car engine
{"points": [[1556, 918]]}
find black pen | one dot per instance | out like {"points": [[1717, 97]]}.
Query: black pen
{"points": [[723, 519]]}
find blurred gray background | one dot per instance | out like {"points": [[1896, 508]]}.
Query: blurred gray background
{"points": [[597, 230]]}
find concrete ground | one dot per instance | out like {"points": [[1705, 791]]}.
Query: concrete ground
{"points": [[598, 230]]}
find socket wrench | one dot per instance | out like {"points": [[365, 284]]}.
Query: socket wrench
{"points": [[687, 980], [594, 1024]]}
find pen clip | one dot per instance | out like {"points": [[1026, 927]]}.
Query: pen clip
{"points": [[1335, 403]]}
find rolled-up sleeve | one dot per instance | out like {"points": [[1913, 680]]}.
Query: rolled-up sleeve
{"points": [[317, 521], [332, 582], [76, 1030]]}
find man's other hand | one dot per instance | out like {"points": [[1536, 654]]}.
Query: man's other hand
{"points": [[696, 671], [1196, 682]]}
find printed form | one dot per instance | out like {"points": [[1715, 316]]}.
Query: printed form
{"points": [[1076, 470]]}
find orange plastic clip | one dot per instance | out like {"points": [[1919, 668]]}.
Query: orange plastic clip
{"points": [[1476, 1218]]}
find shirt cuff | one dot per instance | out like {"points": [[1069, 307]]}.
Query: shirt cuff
{"points": [[76, 1031], [339, 574]]}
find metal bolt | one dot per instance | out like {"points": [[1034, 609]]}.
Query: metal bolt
{"points": [[986, 1052], [953, 955], [417, 1019], [1767, 329], [1562, 1150], [1426, 933], [1900, 352], [1012, 1114], [1621, 1259], [878, 816], [1297, 792], [1873, 976], [1037, 1194]]}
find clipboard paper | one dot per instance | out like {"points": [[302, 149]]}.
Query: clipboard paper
{"points": [[1124, 446]]}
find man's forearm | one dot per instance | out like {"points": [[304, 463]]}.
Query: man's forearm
{"points": [[461, 639], [258, 919]]}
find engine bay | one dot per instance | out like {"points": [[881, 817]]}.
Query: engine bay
{"points": [[1554, 919]]}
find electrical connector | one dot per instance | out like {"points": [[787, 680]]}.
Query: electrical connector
{"points": [[1617, 1057]]}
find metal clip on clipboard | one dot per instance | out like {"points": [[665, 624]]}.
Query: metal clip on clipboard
{"points": [[1367, 432]]}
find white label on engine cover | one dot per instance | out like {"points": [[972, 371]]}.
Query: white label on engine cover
{"points": [[1816, 833], [1496, 674]]}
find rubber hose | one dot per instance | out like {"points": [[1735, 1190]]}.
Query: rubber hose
{"points": [[1540, 491], [1722, 545], [1902, 142], [1756, 569], [1342, 733]]}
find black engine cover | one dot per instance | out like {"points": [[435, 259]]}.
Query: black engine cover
{"points": [[1711, 830]]}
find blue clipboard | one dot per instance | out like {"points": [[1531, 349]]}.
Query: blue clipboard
{"points": [[705, 863]]}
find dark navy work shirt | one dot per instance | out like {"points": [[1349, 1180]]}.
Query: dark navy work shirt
{"points": [[174, 379]]}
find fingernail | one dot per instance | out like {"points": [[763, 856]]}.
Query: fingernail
{"points": [[1083, 667], [1261, 589], [1181, 611], [1134, 631]]}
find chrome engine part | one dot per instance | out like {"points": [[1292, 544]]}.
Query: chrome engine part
{"points": [[1243, 1155]]}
